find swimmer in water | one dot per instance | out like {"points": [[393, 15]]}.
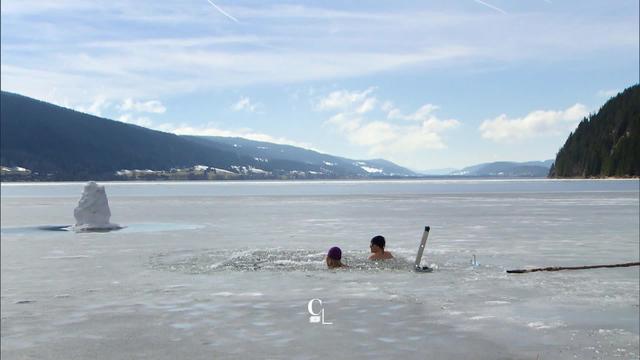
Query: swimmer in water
{"points": [[333, 258], [377, 249]]}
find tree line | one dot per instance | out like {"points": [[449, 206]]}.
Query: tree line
{"points": [[605, 144]]}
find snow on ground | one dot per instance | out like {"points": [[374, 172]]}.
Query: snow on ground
{"points": [[371, 170], [15, 169], [249, 170], [136, 171], [223, 171]]}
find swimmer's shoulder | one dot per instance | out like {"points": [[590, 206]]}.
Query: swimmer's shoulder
{"points": [[385, 256]]}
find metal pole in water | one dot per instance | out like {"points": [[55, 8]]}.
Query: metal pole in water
{"points": [[423, 243]]}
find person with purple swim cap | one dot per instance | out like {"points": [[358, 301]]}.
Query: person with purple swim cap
{"points": [[334, 257]]}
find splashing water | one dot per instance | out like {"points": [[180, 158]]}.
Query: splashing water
{"points": [[209, 261]]}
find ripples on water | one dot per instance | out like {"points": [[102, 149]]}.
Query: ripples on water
{"points": [[209, 261]]}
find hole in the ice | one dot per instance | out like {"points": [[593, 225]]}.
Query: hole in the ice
{"points": [[211, 261], [130, 228], [79, 229]]}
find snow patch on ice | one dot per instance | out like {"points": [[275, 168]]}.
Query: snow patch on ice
{"points": [[496, 302], [539, 325], [65, 257]]}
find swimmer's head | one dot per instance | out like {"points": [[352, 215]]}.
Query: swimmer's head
{"points": [[335, 253], [377, 243], [333, 258]]}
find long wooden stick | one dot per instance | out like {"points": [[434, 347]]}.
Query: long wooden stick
{"points": [[558, 268]]}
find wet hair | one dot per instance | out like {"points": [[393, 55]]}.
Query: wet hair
{"points": [[335, 253], [378, 240], [333, 263]]}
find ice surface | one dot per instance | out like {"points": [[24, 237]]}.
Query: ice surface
{"points": [[232, 276]]}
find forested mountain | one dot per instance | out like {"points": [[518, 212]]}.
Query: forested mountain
{"points": [[296, 158], [606, 143], [70, 145], [44, 141]]}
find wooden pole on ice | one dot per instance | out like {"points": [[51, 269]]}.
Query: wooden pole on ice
{"points": [[558, 268]]}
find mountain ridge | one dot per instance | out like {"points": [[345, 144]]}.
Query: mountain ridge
{"points": [[43, 141], [57, 143], [605, 144], [506, 169]]}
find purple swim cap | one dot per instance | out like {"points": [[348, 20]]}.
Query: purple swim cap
{"points": [[335, 253]]}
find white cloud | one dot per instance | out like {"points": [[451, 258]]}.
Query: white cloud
{"points": [[536, 123], [389, 139], [345, 100], [151, 106], [135, 120], [387, 106], [96, 108], [223, 12], [491, 6], [209, 130], [101, 103], [158, 70], [366, 106], [59, 44], [404, 142], [425, 112], [245, 104], [607, 93]]}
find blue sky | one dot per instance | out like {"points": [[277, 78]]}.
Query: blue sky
{"points": [[426, 84]]}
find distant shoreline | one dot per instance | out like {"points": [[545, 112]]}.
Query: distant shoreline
{"points": [[390, 179]]}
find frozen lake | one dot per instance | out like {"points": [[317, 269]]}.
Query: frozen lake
{"points": [[225, 270]]}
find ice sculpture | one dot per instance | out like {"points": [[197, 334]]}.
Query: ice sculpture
{"points": [[92, 212]]}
